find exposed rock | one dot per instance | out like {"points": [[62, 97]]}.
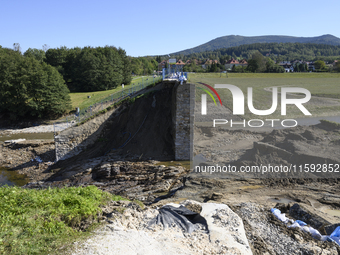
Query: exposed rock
{"points": [[135, 180], [295, 136], [268, 235], [193, 206], [309, 135], [128, 232], [299, 213], [226, 228], [330, 228], [216, 196]]}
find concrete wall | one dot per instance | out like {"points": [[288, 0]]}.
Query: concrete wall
{"points": [[183, 119], [74, 140]]}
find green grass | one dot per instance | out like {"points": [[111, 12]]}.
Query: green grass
{"points": [[79, 99], [331, 124], [117, 104], [319, 84], [42, 221]]}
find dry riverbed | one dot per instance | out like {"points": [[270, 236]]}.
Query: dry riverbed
{"points": [[251, 199]]}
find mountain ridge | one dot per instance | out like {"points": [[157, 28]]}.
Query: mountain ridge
{"points": [[237, 40]]}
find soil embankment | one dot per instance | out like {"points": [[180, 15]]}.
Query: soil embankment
{"points": [[115, 161], [139, 129]]}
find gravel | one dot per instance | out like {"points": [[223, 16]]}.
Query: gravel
{"points": [[269, 236], [40, 129]]}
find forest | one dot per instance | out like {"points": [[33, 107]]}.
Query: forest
{"points": [[37, 83], [276, 51], [30, 88]]}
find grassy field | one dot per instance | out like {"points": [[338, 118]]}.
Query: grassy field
{"points": [[43, 221], [325, 87], [81, 100]]}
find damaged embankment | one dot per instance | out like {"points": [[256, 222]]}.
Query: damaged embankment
{"points": [[110, 151], [154, 125], [246, 197], [148, 122], [124, 129]]}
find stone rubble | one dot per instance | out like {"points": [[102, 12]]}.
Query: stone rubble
{"points": [[128, 232], [270, 236], [143, 180], [41, 128]]}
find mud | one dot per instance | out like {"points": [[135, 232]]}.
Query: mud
{"points": [[252, 197], [22, 158], [123, 166]]}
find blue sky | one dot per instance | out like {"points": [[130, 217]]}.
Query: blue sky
{"points": [[158, 27]]}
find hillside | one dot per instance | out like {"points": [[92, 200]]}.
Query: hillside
{"points": [[237, 40], [276, 51]]}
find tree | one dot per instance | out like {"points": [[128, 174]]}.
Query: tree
{"points": [[158, 59], [98, 69], [13, 92], [224, 59], [271, 67], [238, 69], [278, 51], [260, 61], [304, 67], [136, 66], [70, 67], [297, 67], [45, 47], [16, 47], [319, 65], [127, 78], [252, 65], [337, 66], [30, 88], [48, 93], [269, 64], [213, 68], [92, 69], [57, 58], [35, 53]]}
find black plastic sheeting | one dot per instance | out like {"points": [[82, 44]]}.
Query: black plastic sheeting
{"points": [[180, 216]]}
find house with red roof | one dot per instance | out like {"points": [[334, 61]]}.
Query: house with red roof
{"points": [[180, 63], [189, 61], [162, 64], [243, 62], [232, 62], [209, 62]]}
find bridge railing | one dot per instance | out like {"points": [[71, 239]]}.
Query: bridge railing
{"points": [[174, 73]]}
